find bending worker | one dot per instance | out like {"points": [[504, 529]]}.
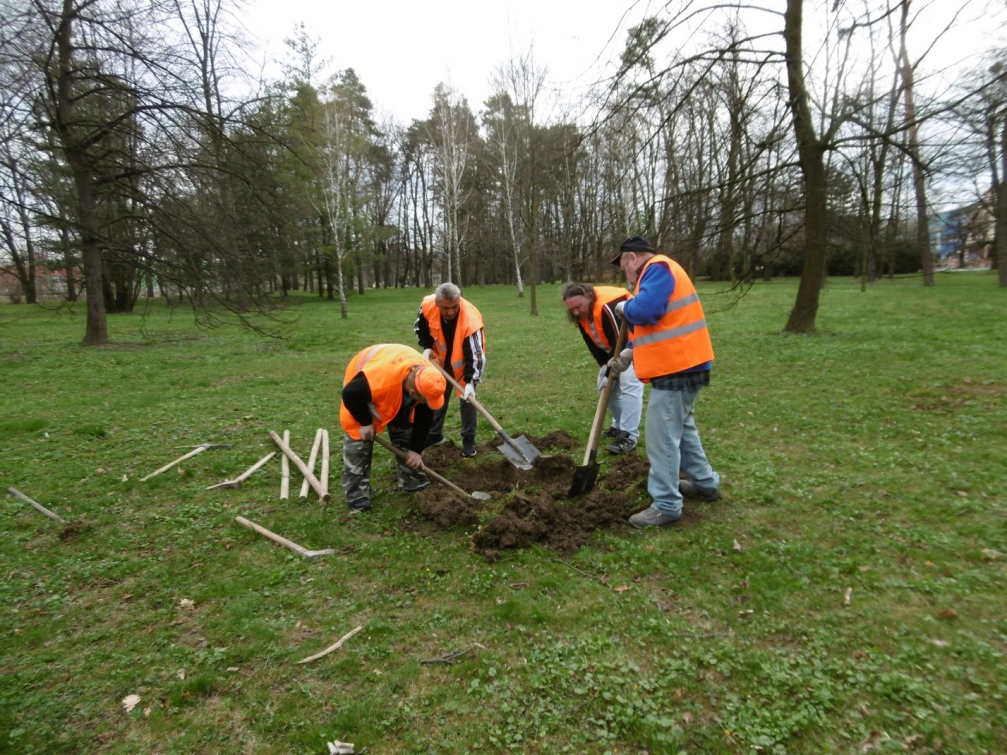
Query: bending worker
{"points": [[450, 331], [393, 386], [592, 308], [671, 351]]}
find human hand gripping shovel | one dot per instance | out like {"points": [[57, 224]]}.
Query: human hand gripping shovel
{"points": [[519, 450], [478, 495], [585, 476]]}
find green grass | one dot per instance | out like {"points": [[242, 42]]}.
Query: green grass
{"points": [[869, 458]]}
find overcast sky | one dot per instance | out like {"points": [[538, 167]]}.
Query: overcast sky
{"points": [[401, 49]]}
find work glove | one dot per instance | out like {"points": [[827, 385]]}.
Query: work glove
{"points": [[619, 309], [621, 363], [468, 392], [367, 432], [428, 354], [602, 377]]}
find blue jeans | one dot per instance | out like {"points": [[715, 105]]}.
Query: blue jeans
{"points": [[673, 444], [626, 403]]}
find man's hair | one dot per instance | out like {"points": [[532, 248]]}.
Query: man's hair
{"points": [[447, 291], [577, 289]]}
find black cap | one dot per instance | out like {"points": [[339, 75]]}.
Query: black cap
{"points": [[633, 244]]}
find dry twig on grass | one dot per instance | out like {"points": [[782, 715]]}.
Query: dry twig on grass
{"points": [[331, 648]]}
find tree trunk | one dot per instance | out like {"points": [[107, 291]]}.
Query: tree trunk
{"points": [[1000, 234], [919, 177], [811, 156]]}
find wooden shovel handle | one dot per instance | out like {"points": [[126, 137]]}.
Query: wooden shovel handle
{"points": [[599, 413], [322, 493], [473, 401], [402, 455]]}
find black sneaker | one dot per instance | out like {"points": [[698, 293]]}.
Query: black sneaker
{"points": [[611, 433], [417, 489], [468, 447], [689, 490], [361, 504], [622, 444]]}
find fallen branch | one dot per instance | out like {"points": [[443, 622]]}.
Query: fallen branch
{"points": [[38, 506], [282, 540], [332, 648]]}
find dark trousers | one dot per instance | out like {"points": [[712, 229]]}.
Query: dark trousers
{"points": [[469, 416]]}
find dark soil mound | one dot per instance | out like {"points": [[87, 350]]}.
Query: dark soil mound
{"points": [[533, 506]]}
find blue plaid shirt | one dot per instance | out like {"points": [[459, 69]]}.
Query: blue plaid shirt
{"points": [[682, 381]]}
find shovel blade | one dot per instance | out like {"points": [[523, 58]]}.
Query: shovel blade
{"points": [[583, 479], [523, 456]]}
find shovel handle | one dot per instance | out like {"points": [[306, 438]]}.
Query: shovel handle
{"points": [[599, 413], [482, 410], [402, 455]]}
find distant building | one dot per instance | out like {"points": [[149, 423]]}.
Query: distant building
{"points": [[965, 233]]}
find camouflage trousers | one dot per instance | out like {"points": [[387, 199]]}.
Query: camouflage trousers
{"points": [[357, 465]]}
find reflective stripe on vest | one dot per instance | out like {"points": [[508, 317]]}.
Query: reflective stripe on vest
{"points": [[665, 335]]}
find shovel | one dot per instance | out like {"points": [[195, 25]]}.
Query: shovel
{"points": [[585, 476], [402, 455], [519, 450]]}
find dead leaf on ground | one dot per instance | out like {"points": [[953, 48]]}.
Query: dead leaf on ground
{"points": [[622, 588], [847, 596], [129, 702], [186, 603], [737, 546], [948, 613]]}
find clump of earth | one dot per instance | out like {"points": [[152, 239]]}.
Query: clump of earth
{"points": [[533, 506]]}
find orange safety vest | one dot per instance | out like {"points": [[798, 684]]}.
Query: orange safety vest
{"points": [[469, 322], [593, 327], [680, 339], [386, 367]]}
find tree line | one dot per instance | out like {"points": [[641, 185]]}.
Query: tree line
{"points": [[140, 160]]}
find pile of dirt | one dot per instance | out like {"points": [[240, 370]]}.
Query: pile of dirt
{"points": [[533, 506]]}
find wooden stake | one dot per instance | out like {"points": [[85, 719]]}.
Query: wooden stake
{"points": [[197, 450], [332, 648], [311, 463], [300, 465], [37, 506], [282, 540], [236, 482], [325, 461], [285, 470]]}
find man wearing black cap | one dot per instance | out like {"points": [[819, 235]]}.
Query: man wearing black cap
{"points": [[672, 351]]}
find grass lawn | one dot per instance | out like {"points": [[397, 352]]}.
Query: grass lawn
{"points": [[847, 595]]}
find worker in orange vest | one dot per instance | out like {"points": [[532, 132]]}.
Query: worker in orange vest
{"points": [[394, 386], [592, 309], [672, 351], [450, 332]]}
